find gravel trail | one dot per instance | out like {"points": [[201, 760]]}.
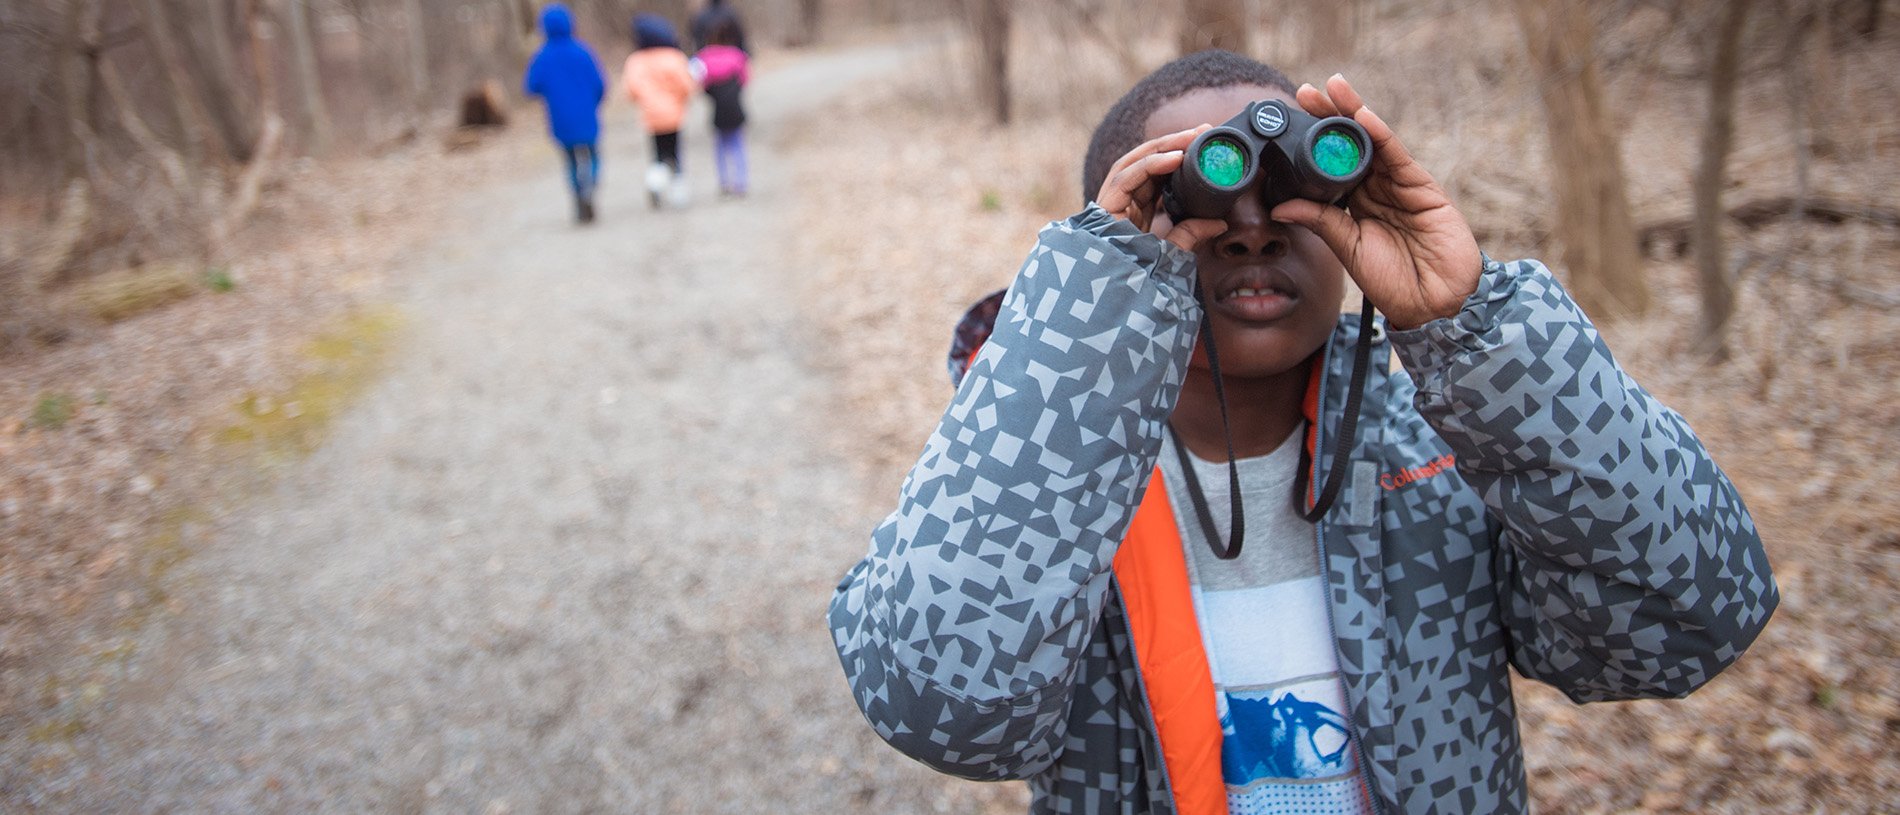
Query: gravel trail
{"points": [[569, 554]]}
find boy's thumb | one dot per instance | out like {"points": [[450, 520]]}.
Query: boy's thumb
{"points": [[1332, 224]]}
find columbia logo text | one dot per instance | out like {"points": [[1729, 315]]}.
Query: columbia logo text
{"points": [[1393, 481]]}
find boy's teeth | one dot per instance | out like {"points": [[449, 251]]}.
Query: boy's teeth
{"points": [[1251, 293]]}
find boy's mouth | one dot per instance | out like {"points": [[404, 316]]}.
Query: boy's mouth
{"points": [[1256, 295]]}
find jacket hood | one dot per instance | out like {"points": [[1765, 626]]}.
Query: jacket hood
{"points": [[653, 31], [556, 22]]}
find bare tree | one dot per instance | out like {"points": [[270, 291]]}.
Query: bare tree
{"points": [[74, 66], [1593, 216], [255, 23], [418, 47], [296, 15], [1718, 132], [810, 21], [1869, 23], [1213, 24], [212, 65], [76, 61], [991, 19], [194, 124]]}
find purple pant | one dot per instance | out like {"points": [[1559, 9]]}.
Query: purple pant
{"points": [[729, 154]]}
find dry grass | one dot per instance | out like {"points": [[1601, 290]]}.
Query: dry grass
{"points": [[1805, 417]]}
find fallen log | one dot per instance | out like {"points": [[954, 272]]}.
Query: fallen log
{"points": [[1670, 237]]}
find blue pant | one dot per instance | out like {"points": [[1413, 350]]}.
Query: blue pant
{"points": [[729, 153], [583, 169]]}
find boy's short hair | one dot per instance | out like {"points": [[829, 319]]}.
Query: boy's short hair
{"points": [[1121, 128]]}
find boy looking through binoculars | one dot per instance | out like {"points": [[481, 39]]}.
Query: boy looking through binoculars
{"points": [[1181, 541]]}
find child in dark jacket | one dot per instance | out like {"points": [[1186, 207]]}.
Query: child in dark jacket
{"points": [[566, 76], [1058, 598], [723, 72]]}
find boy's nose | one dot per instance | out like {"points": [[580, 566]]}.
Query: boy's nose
{"points": [[1250, 232]]}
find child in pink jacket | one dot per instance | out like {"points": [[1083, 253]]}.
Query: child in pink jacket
{"points": [[657, 79]]}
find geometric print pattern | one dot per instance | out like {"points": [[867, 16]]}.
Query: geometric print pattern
{"points": [[1584, 537]]}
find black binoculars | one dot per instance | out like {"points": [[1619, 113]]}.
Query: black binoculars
{"points": [[1303, 156]]}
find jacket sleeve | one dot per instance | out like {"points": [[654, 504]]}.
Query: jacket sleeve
{"points": [[599, 79], [1630, 567], [630, 80], [962, 629], [532, 82]]}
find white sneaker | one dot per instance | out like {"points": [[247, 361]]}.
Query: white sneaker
{"points": [[657, 177], [678, 195]]}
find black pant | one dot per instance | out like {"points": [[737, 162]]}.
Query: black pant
{"points": [[666, 149]]}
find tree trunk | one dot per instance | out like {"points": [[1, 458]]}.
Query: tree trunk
{"points": [[518, 26], [215, 74], [194, 124], [810, 18], [418, 56], [992, 33], [1718, 132], [1213, 24], [73, 66], [254, 14], [1593, 217], [303, 63]]}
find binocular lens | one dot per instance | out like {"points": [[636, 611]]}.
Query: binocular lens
{"points": [[1336, 153], [1222, 163]]}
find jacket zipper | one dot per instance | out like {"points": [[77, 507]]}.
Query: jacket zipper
{"points": [[1147, 707], [1358, 743], [1332, 625]]}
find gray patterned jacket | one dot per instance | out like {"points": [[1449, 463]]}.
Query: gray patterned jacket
{"points": [[1584, 537]]}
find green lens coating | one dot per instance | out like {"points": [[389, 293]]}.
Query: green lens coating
{"points": [[1222, 163], [1336, 153]]}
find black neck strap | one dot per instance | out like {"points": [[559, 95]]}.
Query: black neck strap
{"points": [[1238, 531], [1349, 425]]}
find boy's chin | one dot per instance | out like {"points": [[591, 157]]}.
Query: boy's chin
{"points": [[1252, 366], [1259, 354]]}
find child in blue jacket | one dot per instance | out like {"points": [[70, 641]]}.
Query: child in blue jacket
{"points": [[566, 76], [1062, 594]]}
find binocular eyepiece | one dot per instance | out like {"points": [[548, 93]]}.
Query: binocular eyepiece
{"points": [[1303, 156]]}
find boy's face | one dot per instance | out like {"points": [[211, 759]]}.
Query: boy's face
{"points": [[1272, 289]]}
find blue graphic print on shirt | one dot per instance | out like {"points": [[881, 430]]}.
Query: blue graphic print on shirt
{"points": [[1285, 737]]}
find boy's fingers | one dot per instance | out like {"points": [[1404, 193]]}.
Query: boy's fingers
{"points": [[1388, 153], [1190, 233], [1343, 95], [1159, 144], [1332, 224], [1137, 180], [1315, 101]]}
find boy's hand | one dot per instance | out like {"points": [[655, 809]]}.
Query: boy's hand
{"points": [[1132, 190], [1403, 242]]}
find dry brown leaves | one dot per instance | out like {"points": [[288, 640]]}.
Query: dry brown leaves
{"points": [[109, 471]]}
